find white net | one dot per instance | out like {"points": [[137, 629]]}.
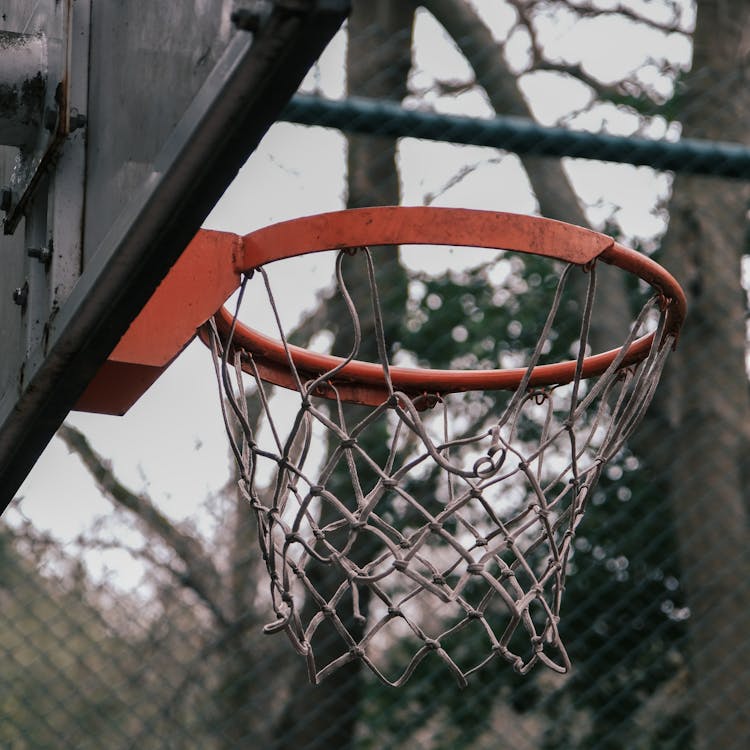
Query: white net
{"points": [[391, 534]]}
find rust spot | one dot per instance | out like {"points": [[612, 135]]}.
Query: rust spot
{"points": [[32, 92]]}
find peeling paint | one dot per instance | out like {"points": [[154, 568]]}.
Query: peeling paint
{"points": [[12, 40]]}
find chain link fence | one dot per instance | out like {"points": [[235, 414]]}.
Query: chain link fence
{"points": [[629, 119]]}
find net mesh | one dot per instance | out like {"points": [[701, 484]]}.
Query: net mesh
{"points": [[447, 541]]}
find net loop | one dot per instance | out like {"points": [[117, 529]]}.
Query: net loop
{"points": [[424, 518]]}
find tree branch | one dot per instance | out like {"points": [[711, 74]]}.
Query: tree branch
{"points": [[200, 573], [555, 194], [587, 10], [641, 100]]}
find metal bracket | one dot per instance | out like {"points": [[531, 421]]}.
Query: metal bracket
{"points": [[39, 67]]}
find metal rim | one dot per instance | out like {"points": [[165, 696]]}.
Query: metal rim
{"points": [[364, 382]]}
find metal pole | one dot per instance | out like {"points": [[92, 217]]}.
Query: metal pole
{"points": [[373, 117]]}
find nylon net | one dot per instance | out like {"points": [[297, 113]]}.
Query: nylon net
{"points": [[394, 533]]}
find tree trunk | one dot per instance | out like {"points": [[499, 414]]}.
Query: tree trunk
{"points": [[698, 431], [704, 406], [378, 63]]}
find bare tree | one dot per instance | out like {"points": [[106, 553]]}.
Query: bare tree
{"points": [[224, 579], [694, 442]]}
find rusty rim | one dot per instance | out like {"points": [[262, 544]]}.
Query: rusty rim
{"points": [[364, 382]]}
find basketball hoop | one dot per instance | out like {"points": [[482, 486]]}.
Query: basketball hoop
{"points": [[364, 382], [447, 535]]}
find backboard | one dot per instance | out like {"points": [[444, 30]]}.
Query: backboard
{"points": [[121, 124]]}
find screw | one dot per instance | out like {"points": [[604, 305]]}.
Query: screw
{"points": [[76, 120], [6, 199], [21, 295], [43, 254]]}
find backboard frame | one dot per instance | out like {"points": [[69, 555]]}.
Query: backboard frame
{"points": [[240, 99]]}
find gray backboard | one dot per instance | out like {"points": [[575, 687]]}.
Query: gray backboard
{"points": [[122, 123]]}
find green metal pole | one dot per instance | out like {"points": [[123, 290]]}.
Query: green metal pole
{"points": [[520, 136]]}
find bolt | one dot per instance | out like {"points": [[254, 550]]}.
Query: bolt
{"points": [[21, 295], [43, 254], [246, 19], [6, 199], [76, 120], [50, 119]]}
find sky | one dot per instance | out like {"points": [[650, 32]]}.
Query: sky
{"points": [[172, 443]]}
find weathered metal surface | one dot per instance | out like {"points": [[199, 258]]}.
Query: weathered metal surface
{"points": [[177, 99], [43, 63], [33, 22], [23, 80]]}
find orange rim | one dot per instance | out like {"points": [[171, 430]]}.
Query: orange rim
{"points": [[364, 382]]}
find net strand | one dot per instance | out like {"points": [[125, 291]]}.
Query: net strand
{"points": [[446, 538]]}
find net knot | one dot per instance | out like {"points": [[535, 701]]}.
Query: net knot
{"points": [[400, 565], [439, 580], [475, 568], [349, 442], [389, 482], [394, 612], [473, 614], [357, 652], [328, 611], [435, 527], [322, 389], [540, 396], [405, 544], [487, 465], [516, 661], [316, 490], [432, 644], [426, 401]]}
